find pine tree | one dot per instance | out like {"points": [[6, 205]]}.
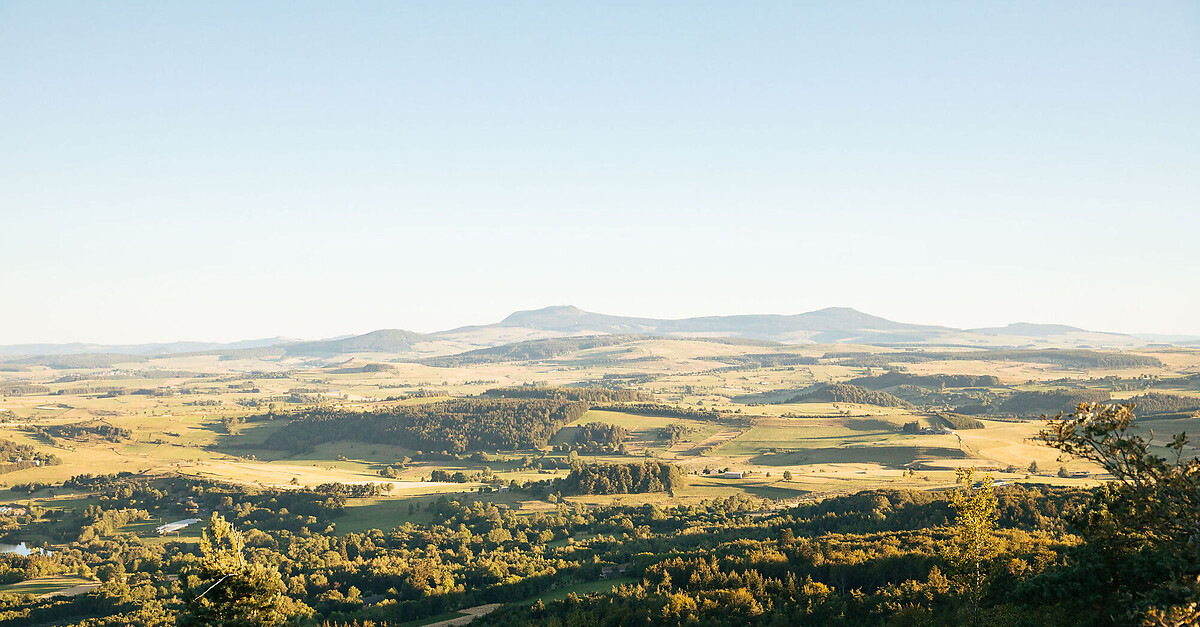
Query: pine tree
{"points": [[235, 592]]}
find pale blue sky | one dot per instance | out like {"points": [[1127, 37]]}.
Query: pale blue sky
{"points": [[219, 171]]}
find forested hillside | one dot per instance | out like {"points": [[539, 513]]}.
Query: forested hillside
{"points": [[977, 554], [592, 395], [1033, 404], [623, 478], [530, 350], [894, 378], [846, 393], [15, 456], [1155, 403], [454, 426]]}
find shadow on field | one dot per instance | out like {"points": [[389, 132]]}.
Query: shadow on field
{"points": [[896, 456], [768, 398], [565, 435], [774, 491], [870, 424]]}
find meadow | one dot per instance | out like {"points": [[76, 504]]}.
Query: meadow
{"points": [[206, 417], [744, 431]]}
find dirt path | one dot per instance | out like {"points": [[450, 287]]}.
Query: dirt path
{"points": [[471, 614], [70, 592], [711, 442]]}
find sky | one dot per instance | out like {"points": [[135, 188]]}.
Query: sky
{"points": [[230, 170]]}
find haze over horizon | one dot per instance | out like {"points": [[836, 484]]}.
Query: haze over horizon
{"points": [[540, 309], [228, 171]]}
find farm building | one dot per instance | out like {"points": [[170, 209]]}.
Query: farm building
{"points": [[612, 572], [175, 526], [732, 474]]}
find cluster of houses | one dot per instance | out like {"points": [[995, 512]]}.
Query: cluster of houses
{"points": [[12, 510]]}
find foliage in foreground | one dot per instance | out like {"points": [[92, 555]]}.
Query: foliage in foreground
{"points": [[231, 592], [1141, 532], [1124, 554]]}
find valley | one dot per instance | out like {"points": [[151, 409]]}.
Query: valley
{"points": [[383, 436]]}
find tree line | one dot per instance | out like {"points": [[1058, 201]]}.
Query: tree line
{"points": [[639, 478], [14, 456], [84, 431], [895, 378], [598, 438], [591, 395], [454, 426], [846, 393]]}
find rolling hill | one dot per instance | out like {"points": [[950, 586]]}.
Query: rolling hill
{"points": [[824, 326], [164, 348], [834, 324]]}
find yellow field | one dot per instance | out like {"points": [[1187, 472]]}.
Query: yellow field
{"points": [[176, 422], [51, 585]]}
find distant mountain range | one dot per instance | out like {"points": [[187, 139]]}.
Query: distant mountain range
{"points": [[835, 324], [826, 326], [381, 341], [78, 348], [1027, 329]]}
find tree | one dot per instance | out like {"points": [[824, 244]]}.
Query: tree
{"points": [[1033, 467], [235, 592], [973, 542], [1141, 531], [787, 475]]}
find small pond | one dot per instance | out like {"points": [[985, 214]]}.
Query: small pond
{"points": [[22, 549]]}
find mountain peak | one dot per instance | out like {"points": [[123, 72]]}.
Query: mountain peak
{"points": [[554, 312], [1030, 329], [571, 310]]}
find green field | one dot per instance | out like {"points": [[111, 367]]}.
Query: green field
{"points": [[177, 427], [52, 584], [603, 585]]}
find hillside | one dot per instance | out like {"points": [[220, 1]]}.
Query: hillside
{"points": [[168, 348], [531, 350], [832, 325], [381, 341], [1029, 329]]}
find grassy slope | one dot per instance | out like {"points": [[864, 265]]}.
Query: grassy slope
{"points": [[827, 446]]}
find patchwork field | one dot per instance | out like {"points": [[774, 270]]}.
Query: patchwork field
{"points": [[733, 408]]}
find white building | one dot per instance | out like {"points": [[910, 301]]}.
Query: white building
{"points": [[175, 526]]}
